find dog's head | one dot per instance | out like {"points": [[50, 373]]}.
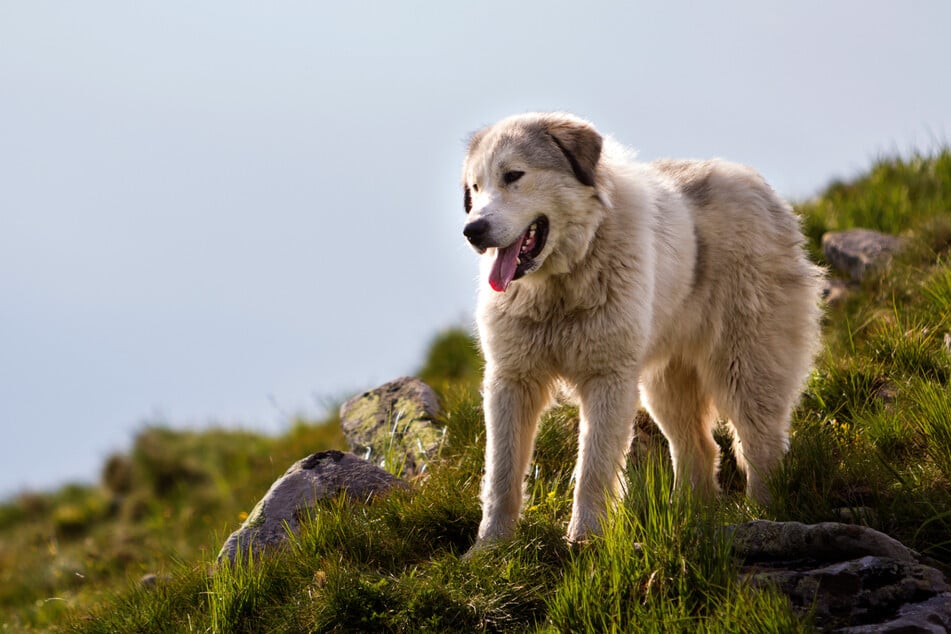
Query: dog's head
{"points": [[523, 179]]}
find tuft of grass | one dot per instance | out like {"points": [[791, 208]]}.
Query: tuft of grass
{"points": [[900, 340], [662, 564], [240, 594], [931, 419], [936, 290]]}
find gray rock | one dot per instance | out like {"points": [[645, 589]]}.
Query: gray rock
{"points": [[852, 578], [318, 476], [931, 616], [858, 251], [392, 425], [151, 580], [834, 291], [762, 540]]}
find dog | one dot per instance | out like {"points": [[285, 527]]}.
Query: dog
{"points": [[679, 285]]}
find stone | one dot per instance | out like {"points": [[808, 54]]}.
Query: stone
{"points": [[762, 540], [647, 437], [929, 616], [852, 578], [834, 291], [855, 252], [325, 474], [152, 580], [393, 425]]}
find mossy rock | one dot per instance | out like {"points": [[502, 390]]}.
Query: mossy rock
{"points": [[393, 425], [292, 497]]}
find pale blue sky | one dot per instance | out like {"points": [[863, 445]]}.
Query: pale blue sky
{"points": [[232, 211]]}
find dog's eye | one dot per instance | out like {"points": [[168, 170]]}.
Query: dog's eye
{"points": [[512, 176], [475, 187]]}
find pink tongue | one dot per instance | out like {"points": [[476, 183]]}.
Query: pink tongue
{"points": [[503, 269]]}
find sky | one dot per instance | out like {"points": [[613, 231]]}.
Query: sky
{"points": [[234, 213]]}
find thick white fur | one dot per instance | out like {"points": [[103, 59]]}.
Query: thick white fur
{"points": [[681, 285]]}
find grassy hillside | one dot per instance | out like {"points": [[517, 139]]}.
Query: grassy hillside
{"points": [[871, 443]]}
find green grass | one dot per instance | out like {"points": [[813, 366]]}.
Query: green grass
{"points": [[871, 442], [663, 565]]}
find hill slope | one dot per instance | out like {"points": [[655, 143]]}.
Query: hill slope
{"points": [[871, 441]]}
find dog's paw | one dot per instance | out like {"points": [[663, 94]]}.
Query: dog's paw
{"points": [[480, 547]]}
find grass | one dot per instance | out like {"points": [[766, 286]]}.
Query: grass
{"points": [[871, 443], [663, 565]]}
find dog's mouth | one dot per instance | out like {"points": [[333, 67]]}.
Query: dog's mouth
{"points": [[518, 258]]}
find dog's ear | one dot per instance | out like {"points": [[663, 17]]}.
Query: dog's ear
{"points": [[471, 144], [581, 145]]}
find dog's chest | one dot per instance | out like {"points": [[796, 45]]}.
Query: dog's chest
{"points": [[569, 344]]}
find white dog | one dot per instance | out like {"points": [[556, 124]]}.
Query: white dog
{"points": [[682, 285]]}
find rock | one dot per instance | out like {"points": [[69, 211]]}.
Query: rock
{"points": [[885, 391], [857, 251], [647, 436], [762, 540], [929, 616], [394, 424], [853, 578], [152, 580], [834, 291], [318, 476]]}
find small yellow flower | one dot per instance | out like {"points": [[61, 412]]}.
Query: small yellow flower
{"points": [[243, 515], [320, 578]]}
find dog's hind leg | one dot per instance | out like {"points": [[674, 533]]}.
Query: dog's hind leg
{"points": [[759, 414], [607, 409], [676, 400], [757, 394], [512, 409], [759, 450]]}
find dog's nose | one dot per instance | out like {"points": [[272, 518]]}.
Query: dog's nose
{"points": [[477, 232]]}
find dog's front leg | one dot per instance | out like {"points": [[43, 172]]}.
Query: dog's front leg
{"points": [[608, 404], [512, 408]]}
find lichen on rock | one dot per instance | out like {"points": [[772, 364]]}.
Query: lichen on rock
{"points": [[393, 425]]}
